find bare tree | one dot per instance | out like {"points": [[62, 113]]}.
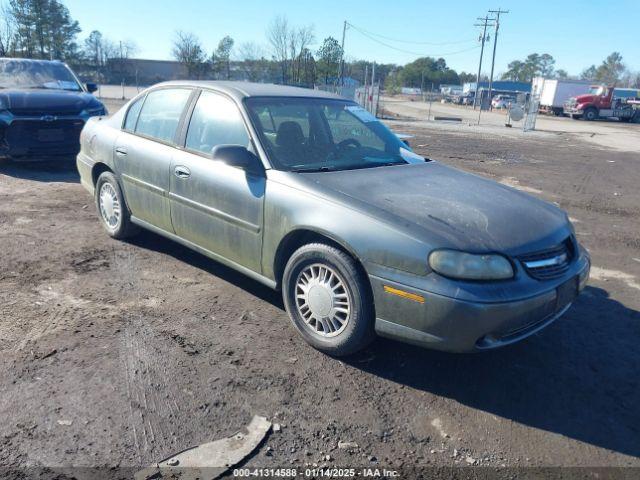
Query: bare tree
{"points": [[128, 48], [7, 32], [278, 37], [299, 41], [188, 51], [254, 63]]}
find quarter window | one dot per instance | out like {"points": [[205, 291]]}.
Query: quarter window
{"points": [[216, 120], [132, 114], [160, 114]]}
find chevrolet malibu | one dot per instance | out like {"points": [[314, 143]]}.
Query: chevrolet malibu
{"points": [[308, 193]]}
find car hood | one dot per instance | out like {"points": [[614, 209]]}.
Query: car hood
{"points": [[584, 98], [46, 101], [450, 208]]}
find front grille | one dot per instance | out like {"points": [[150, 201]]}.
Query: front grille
{"points": [[550, 263], [32, 138]]}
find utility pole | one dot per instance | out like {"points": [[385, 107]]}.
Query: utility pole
{"points": [[495, 42], [341, 68], [484, 25]]}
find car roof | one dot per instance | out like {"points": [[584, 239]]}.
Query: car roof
{"points": [[242, 90]]}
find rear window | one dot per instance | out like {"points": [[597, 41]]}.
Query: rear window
{"points": [[161, 112]]}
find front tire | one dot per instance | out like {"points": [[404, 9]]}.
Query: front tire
{"points": [[112, 209], [328, 299], [590, 114]]}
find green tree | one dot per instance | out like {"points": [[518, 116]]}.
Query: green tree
{"points": [[93, 48], [329, 55], [589, 73], [532, 66], [546, 65], [425, 71], [562, 74], [466, 77], [307, 68], [393, 82], [611, 69], [515, 71], [221, 59], [43, 29]]}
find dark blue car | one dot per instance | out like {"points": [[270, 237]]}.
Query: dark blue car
{"points": [[43, 107]]}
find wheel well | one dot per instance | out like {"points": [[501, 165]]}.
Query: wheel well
{"points": [[97, 170], [297, 239]]}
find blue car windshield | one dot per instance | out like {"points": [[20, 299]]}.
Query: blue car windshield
{"points": [[37, 74], [317, 134]]}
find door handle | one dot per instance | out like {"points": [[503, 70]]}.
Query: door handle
{"points": [[121, 151], [181, 172]]}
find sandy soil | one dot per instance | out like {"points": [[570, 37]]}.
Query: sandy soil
{"points": [[118, 354]]}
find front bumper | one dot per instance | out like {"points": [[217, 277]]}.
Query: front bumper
{"points": [[32, 138], [572, 111], [454, 325]]}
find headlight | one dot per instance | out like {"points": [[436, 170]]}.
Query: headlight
{"points": [[468, 266]]}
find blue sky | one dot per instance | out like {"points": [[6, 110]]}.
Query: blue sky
{"points": [[577, 33]]}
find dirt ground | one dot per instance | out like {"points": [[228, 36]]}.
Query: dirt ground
{"points": [[119, 354]]}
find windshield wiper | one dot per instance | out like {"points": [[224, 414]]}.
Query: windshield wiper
{"points": [[311, 170], [372, 165]]}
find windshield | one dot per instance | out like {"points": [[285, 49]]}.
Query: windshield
{"points": [[317, 134], [596, 90], [37, 74]]}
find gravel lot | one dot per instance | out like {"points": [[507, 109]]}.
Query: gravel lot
{"points": [[119, 354]]}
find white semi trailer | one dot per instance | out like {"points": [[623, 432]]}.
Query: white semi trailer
{"points": [[554, 92]]}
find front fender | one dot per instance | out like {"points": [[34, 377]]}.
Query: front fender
{"points": [[374, 243]]}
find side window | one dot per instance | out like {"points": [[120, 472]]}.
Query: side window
{"points": [[161, 113], [132, 114], [216, 120]]}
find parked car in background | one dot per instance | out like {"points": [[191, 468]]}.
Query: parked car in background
{"points": [[467, 99], [309, 193], [43, 107], [502, 101]]}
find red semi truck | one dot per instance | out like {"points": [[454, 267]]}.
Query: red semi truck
{"points": [[604, 102]]}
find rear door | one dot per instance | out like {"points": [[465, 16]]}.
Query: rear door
{"points": [[213, 205], [144, 150]]}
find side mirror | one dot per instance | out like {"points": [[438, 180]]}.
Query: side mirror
{"points": [[237, 156], [91, 87]]}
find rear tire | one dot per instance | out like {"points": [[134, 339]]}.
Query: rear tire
{"points": [[319, 284], [112, 208], [590, 114]]}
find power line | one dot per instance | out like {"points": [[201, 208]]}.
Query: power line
{"points": [[495, 43], [484, 25], [362, 30], [420, 54]]}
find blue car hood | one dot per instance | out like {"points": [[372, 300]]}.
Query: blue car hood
{"points": [[46, 101]]}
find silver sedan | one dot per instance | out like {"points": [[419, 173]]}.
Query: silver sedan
{"points": [[309, 193]]}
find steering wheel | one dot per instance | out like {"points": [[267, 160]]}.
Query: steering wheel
{"points": [[349, 142]]}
